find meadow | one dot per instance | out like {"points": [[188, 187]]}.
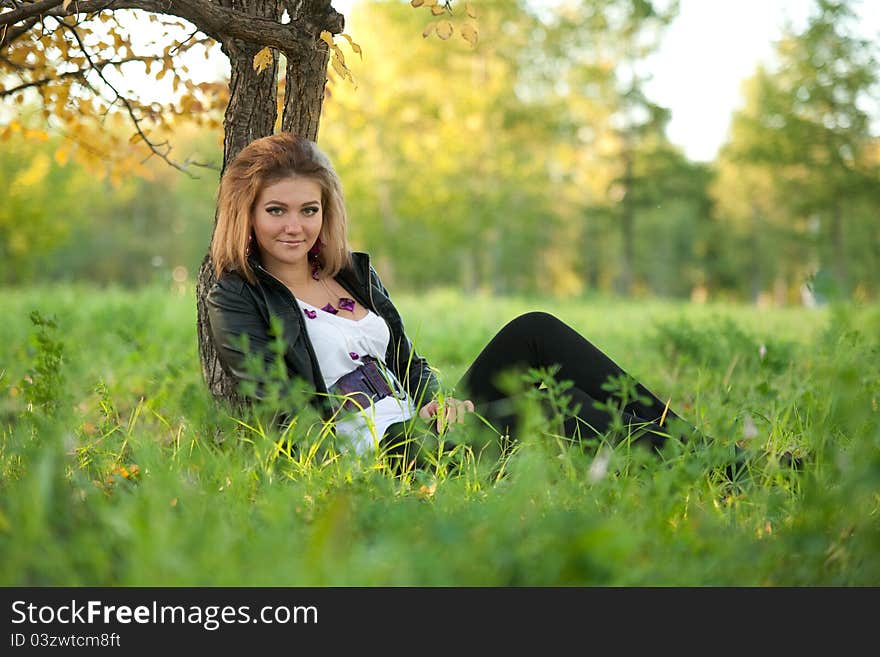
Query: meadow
{"points": [[117, 468]]}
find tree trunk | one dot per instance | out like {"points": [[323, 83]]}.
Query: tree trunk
{"points": [[627, 225], [306, 74], [251, 114], [757, 269], [841, 274]]}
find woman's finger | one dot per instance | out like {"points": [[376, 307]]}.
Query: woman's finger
{"points": [[457, 415], [453, 411], [429, 410]]}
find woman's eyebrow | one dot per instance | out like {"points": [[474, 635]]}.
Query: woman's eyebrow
{"points": [[302, 205]]}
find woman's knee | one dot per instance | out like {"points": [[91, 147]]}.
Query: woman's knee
{"points": [[535, 322]]}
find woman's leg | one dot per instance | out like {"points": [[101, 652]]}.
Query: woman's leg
{"points": [[540, 340]]}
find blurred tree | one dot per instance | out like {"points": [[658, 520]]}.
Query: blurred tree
{"points": [[806, 135], [446, 166], [506, 163], [32, 221], [638, 123], [594, 63], [761, 242], [129, 232]]}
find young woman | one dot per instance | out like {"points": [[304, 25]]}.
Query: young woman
{"points": [[280, 251]]}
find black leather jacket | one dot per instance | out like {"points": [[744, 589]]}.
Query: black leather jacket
{"points": [[237, 307]]}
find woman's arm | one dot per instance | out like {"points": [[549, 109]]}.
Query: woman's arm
{"points": [[241, 336], [413, 371], [422, 384]]}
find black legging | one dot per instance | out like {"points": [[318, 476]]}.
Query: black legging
{"points": [[540, 340]]}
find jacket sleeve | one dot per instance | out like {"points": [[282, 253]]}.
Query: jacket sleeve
{"points": [[242, 337], [413, 370]]}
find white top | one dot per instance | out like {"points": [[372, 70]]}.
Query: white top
{"points": [[340, 345]]}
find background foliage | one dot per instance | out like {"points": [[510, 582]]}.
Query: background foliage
{"points": [[524, 159]]}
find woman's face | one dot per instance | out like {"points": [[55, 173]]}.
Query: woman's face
{"points": [[287, 219]]}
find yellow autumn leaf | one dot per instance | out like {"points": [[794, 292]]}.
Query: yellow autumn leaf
{"points": [[38, 135], [430, 27], [444, 29], [417, 3], [61, 156], [469, 33], [338, 56], [469, 8], [327, 38], [437, 10], [340, 68], [355, 47], [262, 59]]}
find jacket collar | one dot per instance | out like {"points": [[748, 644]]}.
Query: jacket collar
{"points": [[356, 275], [360, 263]]}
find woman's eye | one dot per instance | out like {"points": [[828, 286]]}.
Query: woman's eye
{"points": [[274, 211], [310, 211]]}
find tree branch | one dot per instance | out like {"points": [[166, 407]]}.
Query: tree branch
{"points": [[77, 73], [27, 11], [220, 23], [8, 35], [128, 106]]}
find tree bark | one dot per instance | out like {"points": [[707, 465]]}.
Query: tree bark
{"points": [[219, 19], [306, 75]]}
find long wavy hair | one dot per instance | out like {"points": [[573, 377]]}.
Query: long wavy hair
{"points": [[263, 162]]}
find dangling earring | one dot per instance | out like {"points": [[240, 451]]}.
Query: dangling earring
{"points": [[247, 249], [313, 258]]}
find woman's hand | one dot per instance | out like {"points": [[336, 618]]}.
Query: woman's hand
{"points": [[451, 412]]}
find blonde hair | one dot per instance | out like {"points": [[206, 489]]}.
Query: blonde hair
{"points": [[263, 162]]}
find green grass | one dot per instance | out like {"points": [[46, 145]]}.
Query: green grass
{"points": [[117, 469]]}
